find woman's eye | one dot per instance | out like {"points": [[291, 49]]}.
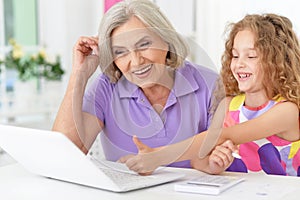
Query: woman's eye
{"points": [[119, 52], [144, 45]]}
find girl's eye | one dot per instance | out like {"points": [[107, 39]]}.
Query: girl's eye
{"points": [[251, 57]]}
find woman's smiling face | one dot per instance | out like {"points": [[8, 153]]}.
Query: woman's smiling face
{"points": [[139, 53]]}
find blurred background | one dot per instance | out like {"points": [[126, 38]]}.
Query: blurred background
{"points": [[37, 37]]}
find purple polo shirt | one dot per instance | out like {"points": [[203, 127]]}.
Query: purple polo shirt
{"points": [[125, 111]]}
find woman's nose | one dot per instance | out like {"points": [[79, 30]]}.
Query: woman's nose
{"points": [[135, 57]]}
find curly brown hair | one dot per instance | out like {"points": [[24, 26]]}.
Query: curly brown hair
{"points": [[280, 55]]}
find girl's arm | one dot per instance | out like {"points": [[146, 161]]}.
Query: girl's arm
{"points": [[281, 120], [148, 159]]}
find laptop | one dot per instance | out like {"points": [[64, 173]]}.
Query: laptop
{"points": [[51, 154]]}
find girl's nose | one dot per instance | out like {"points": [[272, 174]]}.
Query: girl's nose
{"points": [[240, 62]]}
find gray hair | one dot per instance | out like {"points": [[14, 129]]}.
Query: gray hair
{"points": [[150, 14]]}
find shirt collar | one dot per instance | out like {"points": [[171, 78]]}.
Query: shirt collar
{"points": [[126, 88], [185, 82]]}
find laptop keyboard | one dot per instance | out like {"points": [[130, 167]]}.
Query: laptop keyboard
{"points": [[122, 178], [114, 166], [125, 178], [121, 175]]}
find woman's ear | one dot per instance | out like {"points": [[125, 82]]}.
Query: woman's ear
{"points": [[117, 73], [168, 55], [168, 58]]}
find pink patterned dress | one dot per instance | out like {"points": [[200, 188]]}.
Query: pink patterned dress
{"points": [[271, 155]]}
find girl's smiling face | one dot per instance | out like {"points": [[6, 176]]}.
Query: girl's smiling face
{"points": [[139, 53], [245, 64]]}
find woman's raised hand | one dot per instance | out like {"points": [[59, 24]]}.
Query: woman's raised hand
{"points": [[86, 55]]}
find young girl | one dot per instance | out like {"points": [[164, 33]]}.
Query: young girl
{"points": [[261, 76]]}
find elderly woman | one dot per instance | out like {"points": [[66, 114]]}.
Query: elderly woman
{"points": [[147, 88]]}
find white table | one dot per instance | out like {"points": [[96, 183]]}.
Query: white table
{"points": [[18, 183]]}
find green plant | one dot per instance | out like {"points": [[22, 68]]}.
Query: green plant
{"points": [[32, 65]]}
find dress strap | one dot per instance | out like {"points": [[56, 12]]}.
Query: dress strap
{"points": [[279, 99], [236, 102]]}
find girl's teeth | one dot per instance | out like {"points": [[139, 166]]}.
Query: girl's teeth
{"points": [[244, 75]]}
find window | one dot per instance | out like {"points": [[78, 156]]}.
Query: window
{"points": [[21, 22]]}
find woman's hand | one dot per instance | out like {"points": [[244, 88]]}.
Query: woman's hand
{"points": [[86, 55], [145, 162], [221, 157]]}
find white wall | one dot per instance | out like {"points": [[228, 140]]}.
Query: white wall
{"points": [[213, 15], [178, 13], [62, 22]]}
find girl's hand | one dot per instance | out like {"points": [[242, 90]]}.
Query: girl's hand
{"points": [[86, 55], [221, 157], [144, 162]]}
